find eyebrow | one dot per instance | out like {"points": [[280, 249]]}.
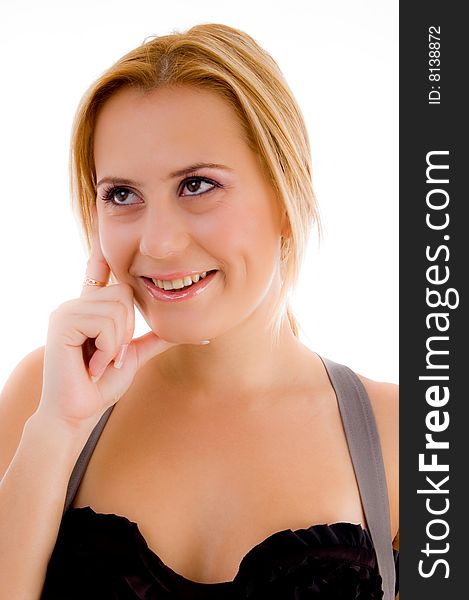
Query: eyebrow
{"points": [[178, 173]]}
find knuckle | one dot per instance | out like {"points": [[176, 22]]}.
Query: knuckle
{"points": [[62, 307], [106, 340], [110, 323], [116, 314], [123, 312], [58, 312]]}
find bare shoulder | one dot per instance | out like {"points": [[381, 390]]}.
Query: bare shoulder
{"points": [[384, 398], [19, 399]]}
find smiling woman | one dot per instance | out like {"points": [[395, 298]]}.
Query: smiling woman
{"points": [[216, 456], [222, 221], [253, 105]]}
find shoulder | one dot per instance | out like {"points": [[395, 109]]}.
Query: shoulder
{"points": [[384, 398], [19, 399]]}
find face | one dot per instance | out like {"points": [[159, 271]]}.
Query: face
{"points": [[184, 195]]}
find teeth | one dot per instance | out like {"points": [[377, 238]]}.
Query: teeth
{"points": [[177, 284]]}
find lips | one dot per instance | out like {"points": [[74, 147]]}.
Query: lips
{"points": [[178, 295], [176, 275]]}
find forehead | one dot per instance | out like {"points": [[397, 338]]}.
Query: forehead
{"points": [[157, 125]]}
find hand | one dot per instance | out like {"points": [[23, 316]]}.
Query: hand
{"points": [[85, 337]]}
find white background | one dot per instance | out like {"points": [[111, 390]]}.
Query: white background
{"points": [[340, 59]]}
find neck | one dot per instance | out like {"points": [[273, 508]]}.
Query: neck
{"points": [[242, 364]]}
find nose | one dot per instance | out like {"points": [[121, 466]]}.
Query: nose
{"points": [[164, 231]]}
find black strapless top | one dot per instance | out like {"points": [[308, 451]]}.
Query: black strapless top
{"points": [[104, 556]]}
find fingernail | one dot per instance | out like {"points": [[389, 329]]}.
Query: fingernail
{"points": [[119, 360], [94, 378], [205, 342]]}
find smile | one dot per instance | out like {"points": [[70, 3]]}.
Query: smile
{"points": [[176, 290], [179, 283]]}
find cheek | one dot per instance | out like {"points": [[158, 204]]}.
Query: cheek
{"points": [[115, 247], [249, 232]]}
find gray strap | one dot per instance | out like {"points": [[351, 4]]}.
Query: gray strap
{"points": [[84, 458], [365, 451]]}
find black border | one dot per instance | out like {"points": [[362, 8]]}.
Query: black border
{"points": [[425, 128]]}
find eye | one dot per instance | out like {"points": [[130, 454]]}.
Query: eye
{"points": [[117, 195], [195, 184]]}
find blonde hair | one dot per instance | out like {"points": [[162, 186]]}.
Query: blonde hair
{"points": [[230, 63]]}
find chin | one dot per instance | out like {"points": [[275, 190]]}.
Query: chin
{"points": [[190, 329], [180, 335]]}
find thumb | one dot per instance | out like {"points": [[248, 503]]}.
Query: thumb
{"points": [[147, 346]]}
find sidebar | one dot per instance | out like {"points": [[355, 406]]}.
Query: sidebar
{"points": [[434, 237]]}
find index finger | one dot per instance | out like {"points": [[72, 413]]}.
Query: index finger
{"points": [[97, 267]]}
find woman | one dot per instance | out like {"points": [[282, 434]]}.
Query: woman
{"points": [[215, 456]]}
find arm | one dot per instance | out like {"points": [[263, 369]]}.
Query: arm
{"points": [[49, 407], [36, 460]]}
